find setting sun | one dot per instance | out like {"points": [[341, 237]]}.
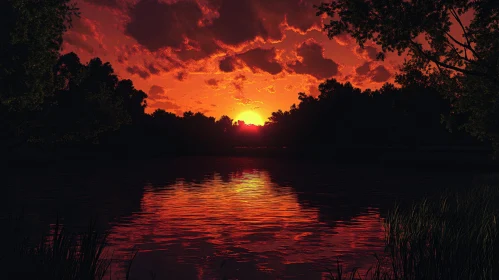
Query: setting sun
{"points": [[250, 117]]}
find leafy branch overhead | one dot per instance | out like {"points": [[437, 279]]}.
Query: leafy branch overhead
{"points": [[452, 44]]}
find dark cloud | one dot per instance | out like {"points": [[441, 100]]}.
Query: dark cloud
{"points": [[135, 70], [83, 34], [368, 52], [313, 61], [364, 69], [380, 74], [228, 64], [238, 82], [194, 32], [84, 26], [124, 53], [166, 105], [238, 22], [156, 92], [204, 111], [298, 14], [121, 59], [241, 98], [213, 82], [213, 105], [238, 85], [261, 59], [271, 89], [181, 75], [152, 69], [78, 41], [105, 3], [199, 102], [156, 25], [240, 77], [343, 39]]}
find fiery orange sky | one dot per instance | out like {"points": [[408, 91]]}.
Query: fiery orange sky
{"points": [[221, 57]]}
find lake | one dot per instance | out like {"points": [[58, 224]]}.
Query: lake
{"points": [[238, 218]]}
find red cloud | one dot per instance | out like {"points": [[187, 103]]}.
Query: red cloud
{"points": [[228, 64], [367, 53], [156, 25], [241, 98], [313, 61], [83, 34], [238, 22], [105, 3], [79, 41], [364, 69], [379, 74], [85, 26], [135, 70], [238, 82], [194, 32], [156, 92], [262, 59], [152, 68], [181, 75], [240, 77], [124, 53], [343, 39], [299, 15], [213, 82], [166, 105]]}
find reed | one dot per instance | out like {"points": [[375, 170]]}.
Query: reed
{"points": [[59, 255], [453, 236]]}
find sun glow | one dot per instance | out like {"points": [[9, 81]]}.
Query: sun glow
{"points": [[250, 117]]}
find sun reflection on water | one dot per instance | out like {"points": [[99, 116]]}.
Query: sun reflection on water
{"points": [[241, 227]]}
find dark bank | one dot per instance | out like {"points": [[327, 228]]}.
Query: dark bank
{"points": [[383, 171]]}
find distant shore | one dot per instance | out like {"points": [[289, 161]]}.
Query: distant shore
{"points": [[456, 157]]}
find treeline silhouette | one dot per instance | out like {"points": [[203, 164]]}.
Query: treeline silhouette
{"points": [[344, 118], [53, 105], [93, 113]]}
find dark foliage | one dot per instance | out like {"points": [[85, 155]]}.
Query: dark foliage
{"points": [[463, 65], [91, 111], [56, 105]]}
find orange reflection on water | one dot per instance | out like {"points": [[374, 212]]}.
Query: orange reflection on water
{"points": [[245, 227]]}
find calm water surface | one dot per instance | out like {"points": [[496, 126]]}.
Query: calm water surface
{"points": [[220, 217]]}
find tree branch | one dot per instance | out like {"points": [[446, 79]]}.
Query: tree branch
{"points": [[465, 47], [468, 44], [445, 65], [466, 36], [456, 16], [465, 58]]}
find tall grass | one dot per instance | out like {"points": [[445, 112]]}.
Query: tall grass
{"points": [[60, 255], [453, 236]]}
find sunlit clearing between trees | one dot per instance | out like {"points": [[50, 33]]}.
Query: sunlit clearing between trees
{"points": [[250, 117]]}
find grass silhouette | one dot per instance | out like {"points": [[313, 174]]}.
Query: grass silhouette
{"points": [[453, 236]]}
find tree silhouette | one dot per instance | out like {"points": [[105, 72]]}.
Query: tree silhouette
{"points": [[464, 69], [52, 102], [90, 100], [344, 118], [30, 40]]}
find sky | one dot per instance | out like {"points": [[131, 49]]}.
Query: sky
{"points": [[222, 57]]}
